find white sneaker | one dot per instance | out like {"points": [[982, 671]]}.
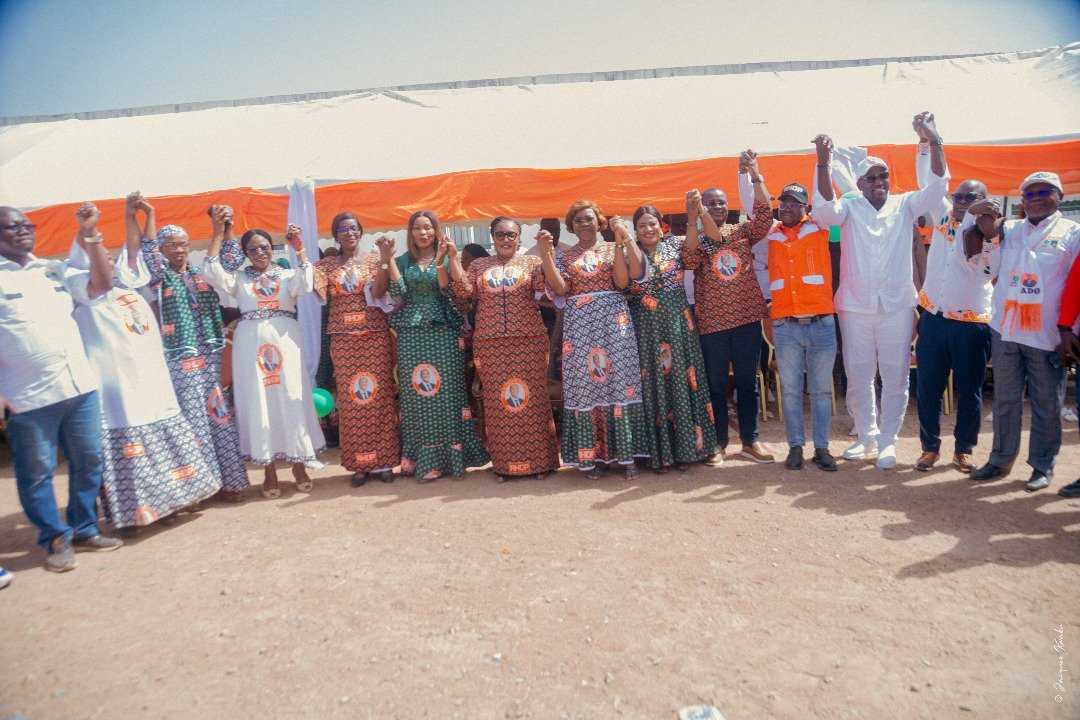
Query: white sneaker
{"points": [[862, 449], [5, 578], [1068, 414], [886, 459]]}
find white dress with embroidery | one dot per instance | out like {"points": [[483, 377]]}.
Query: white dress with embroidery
{"points": [[275, 415]]}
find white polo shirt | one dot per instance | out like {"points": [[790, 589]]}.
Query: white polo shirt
{"points": [[875, 245], [42, 360], [956, 287]]}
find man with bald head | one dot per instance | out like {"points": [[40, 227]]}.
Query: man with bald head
{"points": [[953, 333], [48, 393]]}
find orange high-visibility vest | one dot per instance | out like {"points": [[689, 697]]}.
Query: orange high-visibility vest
{"points": [[800, 270]]}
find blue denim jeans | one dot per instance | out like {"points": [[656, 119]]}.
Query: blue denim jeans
{"points": [[1018, 366], [806, 350], [74, 424], [963, 348], [738, 348]]}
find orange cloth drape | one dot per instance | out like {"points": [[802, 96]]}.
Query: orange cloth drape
{"points": [[535, 193]]}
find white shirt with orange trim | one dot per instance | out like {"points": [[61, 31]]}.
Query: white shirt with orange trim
{"points": [[956, 287]]}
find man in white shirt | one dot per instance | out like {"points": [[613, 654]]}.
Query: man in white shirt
{"points": [[1030, 265], [953, 333], [876, 298], [48, 392]]}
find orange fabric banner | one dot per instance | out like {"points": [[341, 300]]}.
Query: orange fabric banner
{"points": [[535, 193]]}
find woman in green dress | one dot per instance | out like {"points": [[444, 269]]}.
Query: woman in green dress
{"points": [[438, 435], [674, 389]]}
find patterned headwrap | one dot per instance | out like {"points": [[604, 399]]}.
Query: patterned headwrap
{"points": [[168, 231]]}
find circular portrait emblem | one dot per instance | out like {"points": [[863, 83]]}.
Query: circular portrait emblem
{"points": [[665, 358], [266, 287], [598, 365], [515, 394], [1029, 279], [134, 321], [349, 281], [216, 408], [364, 387], [268, 358], [726, 266], [588, 263], [426, 380]]}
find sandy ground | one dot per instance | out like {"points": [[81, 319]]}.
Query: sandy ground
{"points": [[767, 593]]}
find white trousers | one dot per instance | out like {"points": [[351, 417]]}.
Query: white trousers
{"points": [[877, 343]]}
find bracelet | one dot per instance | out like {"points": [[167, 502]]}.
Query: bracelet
{"points": [[759, 180], [823, 166], [93, 239]]}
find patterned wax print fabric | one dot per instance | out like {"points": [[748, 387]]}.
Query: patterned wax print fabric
{"points": [[153, 462], [511, 354], [276, 416], [189, 315], [363, 355], [603, 418], [726, 289], [438, 433], [675, 392]]}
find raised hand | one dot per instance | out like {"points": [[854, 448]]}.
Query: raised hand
{"points": [[824, 146], [925, 127], [218, 215], [693, 199], [441, 252], [545, 241], [748, 160], [88, 216], [132, 204], [293, 237], [987, 206], [451, 248], [619, 228], [385, 245]]}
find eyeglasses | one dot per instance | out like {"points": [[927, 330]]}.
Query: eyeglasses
{"points": [[259, 250], [584, 220], [715, 203], [1029, 195], [14, 227], [880, 177], [349, 231], [175, 246], [506, 235], [785, 205], [970, 197]]}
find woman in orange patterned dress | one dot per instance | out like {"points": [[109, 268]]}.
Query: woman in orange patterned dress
{"points": [[362, 350], [510, 350]]}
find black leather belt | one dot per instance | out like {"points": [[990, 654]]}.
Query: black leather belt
{"points": [[805, 320]]}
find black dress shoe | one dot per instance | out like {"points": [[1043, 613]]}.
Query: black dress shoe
{"points": [[794, 459], [358, 479], [824, 460], [1072, 490], [988, 472]]}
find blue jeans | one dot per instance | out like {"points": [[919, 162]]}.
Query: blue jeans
{"points": [[963, 348], [740, 349], [76, 425], [1017, 366], [808, 350]]}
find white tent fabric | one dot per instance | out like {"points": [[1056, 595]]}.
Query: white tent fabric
{"points": [[386, 135]]}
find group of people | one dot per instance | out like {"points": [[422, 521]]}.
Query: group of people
{"points": [[654, 327]]}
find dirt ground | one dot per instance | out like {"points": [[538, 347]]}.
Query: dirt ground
{"points": [[767, 593]]}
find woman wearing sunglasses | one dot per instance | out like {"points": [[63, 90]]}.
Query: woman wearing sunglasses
{"points": [[510, 350], [272, 391]]}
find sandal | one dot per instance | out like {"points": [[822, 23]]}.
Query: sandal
{"points": [[594, 474], [682, 467], [540, 476], [270, 475], [387, 476], [271, 493], [662, 470], [303, 482], [429, 477], [631, 471], [358, 479], [231, 496]]}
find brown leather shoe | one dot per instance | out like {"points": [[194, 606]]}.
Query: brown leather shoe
{"points": [[926, 461], [962, 462], [757, 452]]}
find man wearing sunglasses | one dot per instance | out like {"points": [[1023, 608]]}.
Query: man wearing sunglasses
{"points": [[48, 393], [953, 335], [876, 297], [1030, 264]]}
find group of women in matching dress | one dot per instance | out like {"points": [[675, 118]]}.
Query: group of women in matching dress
{"points": [[634, 385]]}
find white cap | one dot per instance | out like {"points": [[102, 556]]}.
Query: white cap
{"points": [[864, 167], [1042, 177]]}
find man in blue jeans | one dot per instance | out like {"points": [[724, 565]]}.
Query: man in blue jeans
{"points": [[48, 394], [804, 329]]}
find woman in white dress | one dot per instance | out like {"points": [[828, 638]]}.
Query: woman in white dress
{"points": [[153, 463], [275, 413]]}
